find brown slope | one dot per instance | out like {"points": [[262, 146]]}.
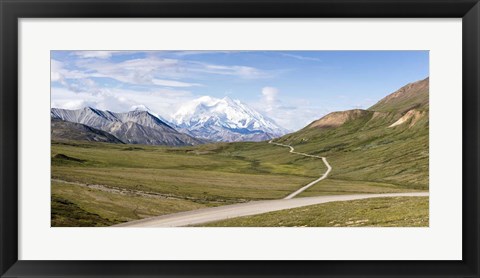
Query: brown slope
{"points": [[336, 119], [411, 96]]}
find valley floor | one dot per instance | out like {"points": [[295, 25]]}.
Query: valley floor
{"points": [[100, 184]]}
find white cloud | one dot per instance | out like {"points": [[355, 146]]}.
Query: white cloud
{"points": [[59, 73], [289, 112], [94, 54], [135, 71], [55, 70], [300, 57], [173, 83], [269, 97], [67, 99], [269, 93], [162, 102], [149, 71], [238, 71], [202, 52], [72, 105]]}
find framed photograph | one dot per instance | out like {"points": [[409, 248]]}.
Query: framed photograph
{"points": [[225, 138]]}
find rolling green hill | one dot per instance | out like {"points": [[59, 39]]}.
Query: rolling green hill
{"points": [[387, 143]]}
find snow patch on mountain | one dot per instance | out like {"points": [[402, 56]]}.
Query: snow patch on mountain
{"points": [[225, 120], [142, 107]]}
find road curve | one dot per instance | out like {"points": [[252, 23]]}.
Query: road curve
{"points": [[206, 215], [324, 176]]}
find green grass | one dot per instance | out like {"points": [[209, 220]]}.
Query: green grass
{"points": [[68, 214], [340, 187], [367, 150], [373, 212], [180, 172], [74, 205]]}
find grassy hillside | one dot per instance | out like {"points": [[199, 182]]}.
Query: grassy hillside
{"points": [[388, 143], [367, 149], [374, 212]]}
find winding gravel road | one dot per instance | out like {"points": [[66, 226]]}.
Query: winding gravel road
{"points": [[324, 176]]}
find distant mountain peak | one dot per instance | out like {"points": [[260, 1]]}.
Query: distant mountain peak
{"points": [[207, 99], [230, 100], [140, 107], [225, 119], [91, 109]]}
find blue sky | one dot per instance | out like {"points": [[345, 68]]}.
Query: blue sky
{"points": [[291, 87]]}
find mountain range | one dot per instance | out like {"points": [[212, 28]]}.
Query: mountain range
{"points": [[205, 119], [134, 127]]}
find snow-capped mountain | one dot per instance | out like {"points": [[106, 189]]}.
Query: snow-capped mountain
{"points": [[134, 127], [225, 120]]}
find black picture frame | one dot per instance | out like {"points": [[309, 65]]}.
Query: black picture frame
{"points": [[12, 10]]}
